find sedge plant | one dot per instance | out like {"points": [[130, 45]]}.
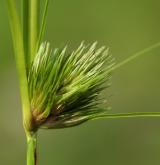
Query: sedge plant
{"points": [[59, 89]]}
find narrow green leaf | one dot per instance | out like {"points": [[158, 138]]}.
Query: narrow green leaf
{"points": [[134, 56], [43, 23], [34, 28]]}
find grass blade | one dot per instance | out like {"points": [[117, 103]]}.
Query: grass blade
{"points": [[43, 24], [134, 56]]}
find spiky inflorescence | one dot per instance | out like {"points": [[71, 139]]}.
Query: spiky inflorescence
{"points": [[64, 87]]}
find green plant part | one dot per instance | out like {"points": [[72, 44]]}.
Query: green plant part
{"points": [[64, 87], [59, 89]]}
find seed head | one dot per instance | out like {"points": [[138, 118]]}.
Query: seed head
{"points": [[64, 87]]}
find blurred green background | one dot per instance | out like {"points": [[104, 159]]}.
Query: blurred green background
{"points": [[126, 26]]}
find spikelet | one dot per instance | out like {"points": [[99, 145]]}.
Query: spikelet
{"points": [[64, 87]]}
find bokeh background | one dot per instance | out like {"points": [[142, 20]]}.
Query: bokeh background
{"points": [[126, 26]]}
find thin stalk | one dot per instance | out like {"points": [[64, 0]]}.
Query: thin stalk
{"points": [[32, 149], [34, 27], [134, 56], [20, 61], [25, 22]]}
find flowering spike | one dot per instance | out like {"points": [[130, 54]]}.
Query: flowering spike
{"points": [[64, 87]]}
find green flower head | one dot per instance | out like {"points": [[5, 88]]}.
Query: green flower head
{"points": [[64, 87]]}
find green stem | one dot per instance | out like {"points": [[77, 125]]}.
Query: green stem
{"points": [[134, 56], [20, 61], [25, 22], [32, 149], [34, 27]]}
